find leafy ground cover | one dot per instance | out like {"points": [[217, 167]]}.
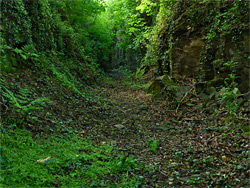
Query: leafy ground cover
{"points": [[118, 136], [196, 145], [62, 161]]}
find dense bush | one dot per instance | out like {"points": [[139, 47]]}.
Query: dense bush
{"points": [[66, 29]]}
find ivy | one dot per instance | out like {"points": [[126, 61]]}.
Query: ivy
{"points": [[71, 29]]}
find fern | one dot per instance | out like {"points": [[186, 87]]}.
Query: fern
{"points": [[27, 52], [9, 95], [36, 105], [23, 95], [21, 101], [63, 78]]}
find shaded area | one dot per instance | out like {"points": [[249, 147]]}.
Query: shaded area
{"points": [[189, 147], [179, 145]]}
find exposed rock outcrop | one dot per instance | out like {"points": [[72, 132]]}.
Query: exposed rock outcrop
{"points": [[186, 55], [207, 41]]}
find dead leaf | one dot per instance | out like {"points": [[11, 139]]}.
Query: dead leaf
{"points": [[119, 126], [43, 160], [82, 132]]}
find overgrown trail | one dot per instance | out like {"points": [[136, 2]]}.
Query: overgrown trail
{"points": [[159, 144], [188, 146]]}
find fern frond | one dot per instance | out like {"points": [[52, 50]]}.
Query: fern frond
{"points": [[21, 102], [12, 99], [23, 95], [2, 80], [29, 109], [39, 101], [35, 105]]}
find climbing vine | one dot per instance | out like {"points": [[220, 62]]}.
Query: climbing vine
{"points": [[68, 29]]}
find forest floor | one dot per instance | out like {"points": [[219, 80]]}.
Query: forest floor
{"points": [[185, 146], [176, 146]]}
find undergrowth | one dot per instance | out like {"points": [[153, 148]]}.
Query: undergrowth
{"points": [[64, 161], [21, 102], [57, 159], [67, 81]]}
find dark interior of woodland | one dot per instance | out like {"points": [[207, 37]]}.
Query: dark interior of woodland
{"points": [[125, 93]]}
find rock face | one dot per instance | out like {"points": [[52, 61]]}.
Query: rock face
{"points": [[186, 54], [207, 41], [229, 57]]}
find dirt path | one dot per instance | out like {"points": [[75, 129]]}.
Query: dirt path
{"points": [[199, 145], [188, 147]]}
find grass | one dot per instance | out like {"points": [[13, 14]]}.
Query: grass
{"points": [[62, 160], [154, 145]]}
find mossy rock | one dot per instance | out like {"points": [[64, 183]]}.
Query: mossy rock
{"points": [[216, 82], [165, 80], [155, 87], [163, 86], [210, 90]]}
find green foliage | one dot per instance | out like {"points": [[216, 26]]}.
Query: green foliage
{"points": [[225, 22], [154, 145], [131, 27], [5, 65], [65, 161], [63, 78], [38, 32], [140, 71], [154, 44], [228, 95], [125, 71], [91, 27], [21, 101], [122, 14], [15, 22], [27, 52]]}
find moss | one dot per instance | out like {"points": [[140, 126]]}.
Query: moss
{"points": [[154, 87]]}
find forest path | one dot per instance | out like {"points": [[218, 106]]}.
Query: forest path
{"points": [[198, 145], [179, 147], [138, 126]]}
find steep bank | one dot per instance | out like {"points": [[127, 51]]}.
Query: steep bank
{"points": [[206, 40]]}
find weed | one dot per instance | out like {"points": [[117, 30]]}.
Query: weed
{"points": [[65, 161], [154, 145]]}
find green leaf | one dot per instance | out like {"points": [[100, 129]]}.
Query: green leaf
{"points": [[18, 51], [24, 57]]}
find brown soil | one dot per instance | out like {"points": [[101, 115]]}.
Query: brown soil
{"points": [[190, 141], [178, 145]]}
